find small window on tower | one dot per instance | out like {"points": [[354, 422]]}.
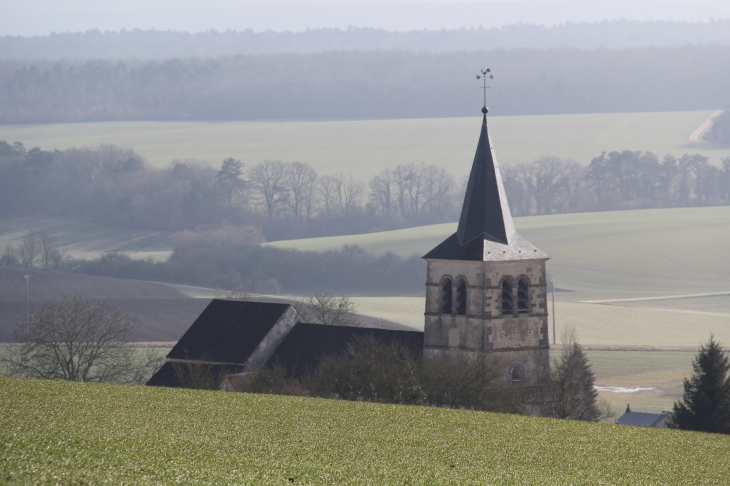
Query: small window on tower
{"points": [[523, 297], [516, 375], [461, 297], [446, 296], [507, 298]]}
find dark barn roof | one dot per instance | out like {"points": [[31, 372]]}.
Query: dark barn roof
{"points": [[170, 377], [486, 231], [306, 343], [643, 419], [228, 331]]}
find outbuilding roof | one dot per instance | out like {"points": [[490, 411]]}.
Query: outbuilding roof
{"points": [[228, 331], [642, 419], [306, 343]]}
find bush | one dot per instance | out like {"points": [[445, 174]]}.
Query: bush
{"points": [[375, 371]]}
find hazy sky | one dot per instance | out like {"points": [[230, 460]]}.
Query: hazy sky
{"points": [[39, 17]]}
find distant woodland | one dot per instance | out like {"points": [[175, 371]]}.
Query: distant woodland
{"points": [[152, 44], [222, 214], [287, 200], [366, 85]]}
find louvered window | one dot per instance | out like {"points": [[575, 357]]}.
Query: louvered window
{"points": [[523, 297], [446, 296], [507, 298], [461, 297]]}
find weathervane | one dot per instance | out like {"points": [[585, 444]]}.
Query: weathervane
{"points": [[483, 76]]}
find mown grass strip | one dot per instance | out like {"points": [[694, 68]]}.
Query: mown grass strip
{"points": [[69, 433]]}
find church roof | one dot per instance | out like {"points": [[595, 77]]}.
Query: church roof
{"points": [[486, 231], [228, 331]]}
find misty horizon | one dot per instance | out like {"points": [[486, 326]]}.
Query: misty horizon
{"points": [[41, 17]]}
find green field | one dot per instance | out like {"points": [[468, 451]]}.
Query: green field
{"points": [[366, 147], [69, 433], [84, 239], [618, 254], [598, 256], [650, 381]]}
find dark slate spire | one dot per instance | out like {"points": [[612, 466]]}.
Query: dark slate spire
{"points": [[485, 212], [486, 231]]}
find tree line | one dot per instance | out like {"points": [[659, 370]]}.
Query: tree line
{"points": [[365, 85], [126, 44], [289, 200]]}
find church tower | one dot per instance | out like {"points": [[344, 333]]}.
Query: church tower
{"points": [[485, 284]]}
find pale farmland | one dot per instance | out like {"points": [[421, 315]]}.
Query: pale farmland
{"points": [[367, 146]]}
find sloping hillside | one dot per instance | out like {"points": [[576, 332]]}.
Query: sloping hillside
{"points": [[162, 313]]}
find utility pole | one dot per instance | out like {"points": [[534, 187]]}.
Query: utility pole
{"points": [[26, 277], [552, 287]]}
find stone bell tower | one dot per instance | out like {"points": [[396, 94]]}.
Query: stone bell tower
{"points": [[486, 285]]}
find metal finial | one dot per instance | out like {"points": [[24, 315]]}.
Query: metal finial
{"points": [[483, 77]]}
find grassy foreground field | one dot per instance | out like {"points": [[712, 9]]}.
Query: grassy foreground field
{"points": [[67, 433], [366, 147]]}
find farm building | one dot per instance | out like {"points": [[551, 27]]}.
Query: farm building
{"points": [[232, 337], [644, 419], [485, 292]]}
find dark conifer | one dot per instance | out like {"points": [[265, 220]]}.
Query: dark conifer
{"points": [[705, 405]]}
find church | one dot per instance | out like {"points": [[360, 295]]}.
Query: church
{"points": [[486, 291], [486, 286]]}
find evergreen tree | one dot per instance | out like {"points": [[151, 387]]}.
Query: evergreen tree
{"points": [[705, 405], [572, 388]]}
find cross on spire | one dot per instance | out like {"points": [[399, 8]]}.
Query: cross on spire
{"points": [[483, 76]]}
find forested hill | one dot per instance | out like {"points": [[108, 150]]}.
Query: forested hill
{"points": [[152, 44], [366, 85]]}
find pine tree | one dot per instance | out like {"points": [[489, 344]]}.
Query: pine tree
{"points": [[705, 405], [572, 385]]}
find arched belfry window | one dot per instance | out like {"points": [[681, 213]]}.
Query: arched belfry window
{"points": [[507, 298], [523, 297], [446, 296], [461, 297]]}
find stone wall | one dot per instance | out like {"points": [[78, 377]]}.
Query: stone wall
{"points": [[520, 339]]}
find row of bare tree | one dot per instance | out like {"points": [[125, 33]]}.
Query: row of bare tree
{"points": [[291, 200], [36, 249]]}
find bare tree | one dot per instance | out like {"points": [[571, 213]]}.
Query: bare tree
{"points": [[300, 180], [381, 191], [269, 184], [325, 308], [78, 340], [48, 248], [439, 191], [236, 290], [9, 258], [327, 191], [349, 192], [29, 249]]}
